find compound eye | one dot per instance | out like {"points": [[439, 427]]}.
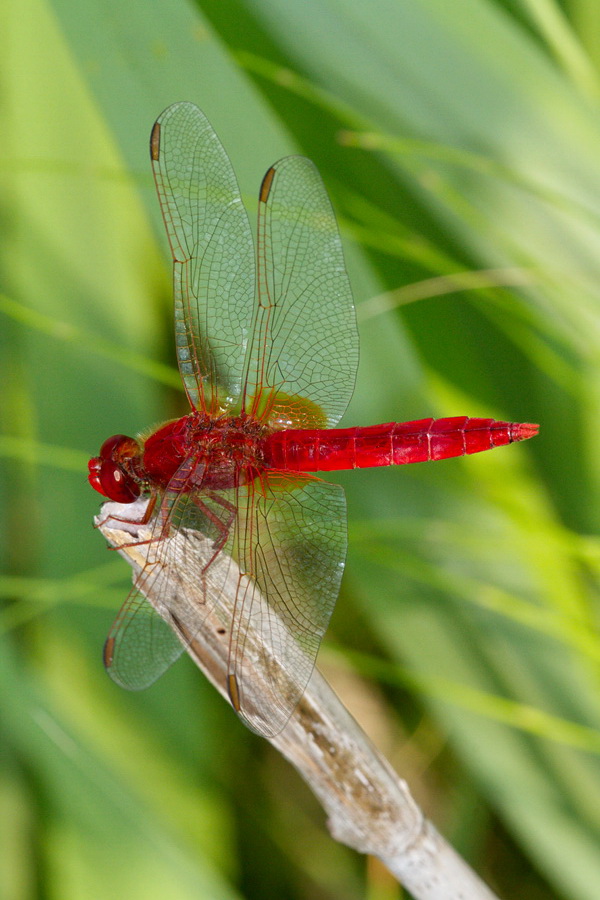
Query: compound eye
{"points": [[119, 446], [115, 484], [108, 472]]}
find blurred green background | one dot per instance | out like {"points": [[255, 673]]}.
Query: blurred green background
{"points": [[455, 137]]}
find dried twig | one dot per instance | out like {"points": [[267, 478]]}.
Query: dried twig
{"points": [[369, 807]]}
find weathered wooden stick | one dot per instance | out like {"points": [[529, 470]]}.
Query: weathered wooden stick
{"points": [[369, 807]]}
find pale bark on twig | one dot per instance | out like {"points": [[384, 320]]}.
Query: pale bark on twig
{"points": [[369, 807]]}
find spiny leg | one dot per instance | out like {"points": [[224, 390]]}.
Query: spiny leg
{"points": [[143, 521], [223, 527]]}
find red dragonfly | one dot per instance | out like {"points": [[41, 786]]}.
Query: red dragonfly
{"points": [[267, 347]]}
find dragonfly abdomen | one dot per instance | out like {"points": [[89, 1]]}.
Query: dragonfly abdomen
{"points": [[392, 444]]}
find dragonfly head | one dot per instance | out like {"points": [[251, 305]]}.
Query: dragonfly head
{"points": [[112, 472]]}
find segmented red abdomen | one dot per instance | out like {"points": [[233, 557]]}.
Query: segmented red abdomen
{"points": [[388, 445]]}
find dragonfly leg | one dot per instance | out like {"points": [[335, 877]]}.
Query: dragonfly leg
{"points": [[143, 521], [148, 512], [223, 526]]}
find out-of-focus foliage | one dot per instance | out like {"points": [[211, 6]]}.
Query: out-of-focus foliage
{"points": [[457, 139]]}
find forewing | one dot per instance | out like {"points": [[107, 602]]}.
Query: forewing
{"points": [[143, 641], [140, 645], [279, 550], [213, 254], [293, 545], [305, 339]]}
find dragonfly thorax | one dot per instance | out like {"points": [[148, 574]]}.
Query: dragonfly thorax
{"points": [[221, 452]]}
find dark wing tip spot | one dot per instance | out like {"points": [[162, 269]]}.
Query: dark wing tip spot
{"points": [[234, 694], [155, 142], [265, 187], [108, 652]]}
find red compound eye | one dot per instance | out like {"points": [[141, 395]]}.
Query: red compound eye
{"points": [[119, 447], [117, 484], [107, 474], [111, 481]]}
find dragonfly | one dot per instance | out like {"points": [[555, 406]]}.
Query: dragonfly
{"points": [[267, 347]]}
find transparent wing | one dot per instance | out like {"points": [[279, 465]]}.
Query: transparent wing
{"points": [[305, 339], [292, 545], [289, 542], [140, 645], [213, 254], [144, 642]]}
